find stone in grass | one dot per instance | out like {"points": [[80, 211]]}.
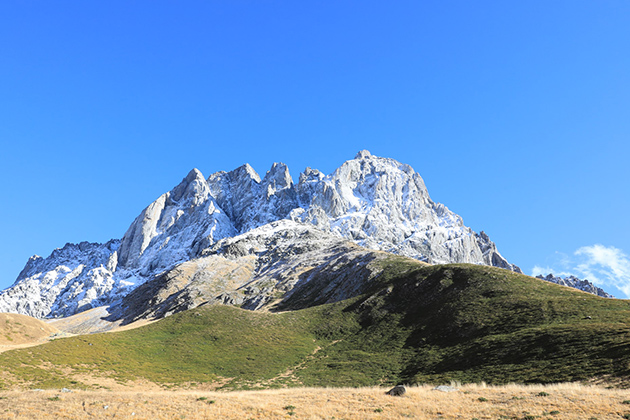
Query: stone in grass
{"points": [[397, 391]]}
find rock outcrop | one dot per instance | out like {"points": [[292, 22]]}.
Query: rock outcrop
{"points": [[174, 228]]}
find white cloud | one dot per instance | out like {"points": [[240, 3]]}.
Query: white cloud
{"points": [[607, 267], [542, 270]]}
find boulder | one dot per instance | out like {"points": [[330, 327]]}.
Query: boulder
{"points": [[397, 391]]}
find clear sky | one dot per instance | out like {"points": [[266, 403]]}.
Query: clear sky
{"points": [[515, 113]]}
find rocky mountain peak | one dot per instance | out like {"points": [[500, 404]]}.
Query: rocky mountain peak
{"points": [[278, 177], [245, 171], [186, 215], [193, 189], [194, 174], [363, 154], [310, 175], [378, 203]]}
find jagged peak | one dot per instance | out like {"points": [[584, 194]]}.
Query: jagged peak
{"points": [[193, 175], [364, 154], [365, 164], [71, 247], [277, 167], [195, 178], [279, 176], [575, 282], [311, 174], [246, 170]]}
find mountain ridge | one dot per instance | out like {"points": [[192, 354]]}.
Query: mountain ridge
{"points": [[378, 203], [576, 283]]}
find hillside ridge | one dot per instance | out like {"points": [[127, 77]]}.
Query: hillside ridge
{"points": [[413, 323]]}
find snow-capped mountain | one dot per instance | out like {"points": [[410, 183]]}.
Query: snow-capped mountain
{"points": [[576, 283], [71, 279], [376, 202]]}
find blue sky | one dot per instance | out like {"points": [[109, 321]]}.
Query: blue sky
{"points": [[516, 114]]}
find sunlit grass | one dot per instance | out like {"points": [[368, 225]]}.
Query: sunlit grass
{"points": [[563, 401]]}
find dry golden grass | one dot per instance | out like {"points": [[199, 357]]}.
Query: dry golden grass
{"points": [[564, 401], [21, 331]]}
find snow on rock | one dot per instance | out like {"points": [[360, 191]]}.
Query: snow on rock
{"points": [[382, 204], [71, 279], [249, 201], [174, 228], [375, 202]]}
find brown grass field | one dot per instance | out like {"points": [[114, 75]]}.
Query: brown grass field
{"points": [[20, 331], [563, 401]]}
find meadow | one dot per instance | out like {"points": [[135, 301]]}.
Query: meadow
{"points": [[414, 324], [559, 401]]}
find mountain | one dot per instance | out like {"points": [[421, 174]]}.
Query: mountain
{"points": [[576, 283], [71, 279], [377, 203]]}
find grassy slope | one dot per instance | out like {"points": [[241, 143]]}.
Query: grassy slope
{"points": [[21, 329], [471, 323], [417, 324]]}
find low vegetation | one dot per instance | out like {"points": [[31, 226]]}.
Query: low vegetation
{"points": [[564, 402], [416, 324], [18, 329]]}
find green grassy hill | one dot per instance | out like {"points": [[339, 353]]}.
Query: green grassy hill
{"points": [[416, 324]]}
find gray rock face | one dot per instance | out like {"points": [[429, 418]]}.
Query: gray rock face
{"points": [[576, 283], [377, 203], [174, 228], [251, 202]]}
